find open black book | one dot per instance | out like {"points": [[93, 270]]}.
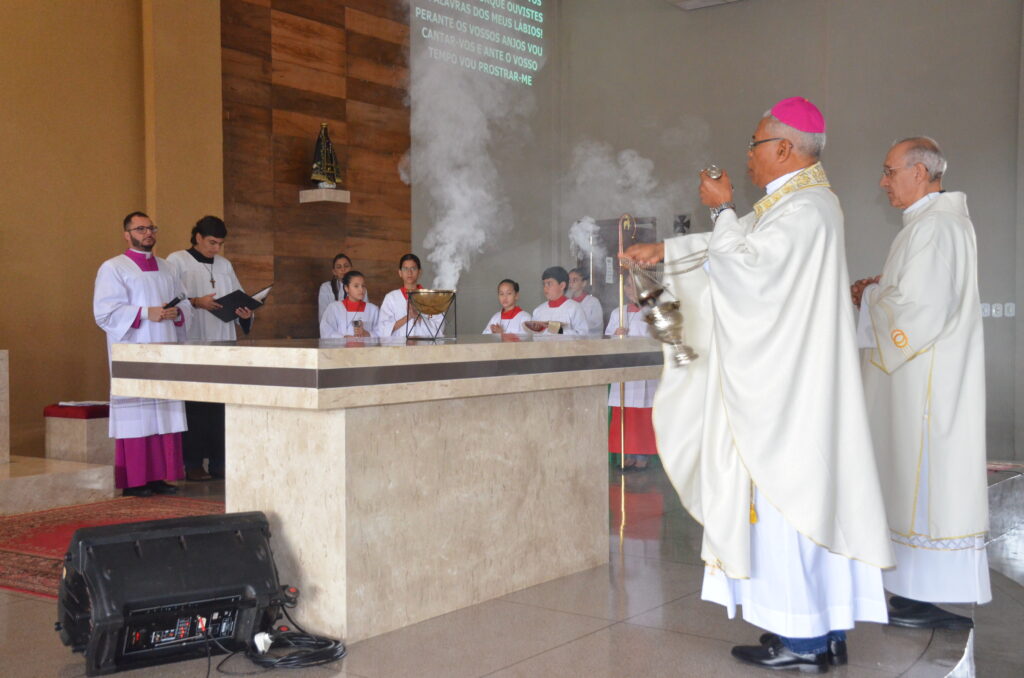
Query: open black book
{"points": [[239, 299]]}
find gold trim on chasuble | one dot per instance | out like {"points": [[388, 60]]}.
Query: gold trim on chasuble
{"points": [[805, 178]]}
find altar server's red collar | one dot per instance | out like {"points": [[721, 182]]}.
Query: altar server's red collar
{"points": [[405, 292]]}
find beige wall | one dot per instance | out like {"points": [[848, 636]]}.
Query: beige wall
{"points": [[75, 161]]}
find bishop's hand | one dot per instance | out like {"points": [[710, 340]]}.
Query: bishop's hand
{"points": [[645, 253], [715, 192]]}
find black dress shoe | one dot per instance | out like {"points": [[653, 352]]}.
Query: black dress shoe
{"points": [[837, 655], [778, 657], [899, 602], [918, 615], [160, 487], [141, 491]]}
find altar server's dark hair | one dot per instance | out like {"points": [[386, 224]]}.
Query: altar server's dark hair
{"points": [[511, 282], [556, 273], [410, 257], [132, 215], [581, 272], [347, 278], [208, 227]]}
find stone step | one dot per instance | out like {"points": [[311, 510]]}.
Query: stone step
{"points": [[35, 484]]}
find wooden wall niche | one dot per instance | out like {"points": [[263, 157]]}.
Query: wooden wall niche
{"points": [[289, 65]]}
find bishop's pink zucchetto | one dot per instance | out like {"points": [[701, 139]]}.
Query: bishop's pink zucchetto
{"points": [[801, 114]]}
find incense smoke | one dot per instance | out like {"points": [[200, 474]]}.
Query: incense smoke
{"points": [[607, 183], [456, 115], [585, 239]]}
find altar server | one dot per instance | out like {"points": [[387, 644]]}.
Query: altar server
{"points": [[558, 307], [333, 290], [766, 434], [353, 316], [129, 300], [395, 311], [639, 428], [510, 319], [207, 276], [579, 281], [924, 380]]}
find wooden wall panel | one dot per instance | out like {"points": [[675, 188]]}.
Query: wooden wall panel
{"points": [[289, 65]]}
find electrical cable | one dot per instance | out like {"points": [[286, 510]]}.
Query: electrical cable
{"points": [[303, 650]]}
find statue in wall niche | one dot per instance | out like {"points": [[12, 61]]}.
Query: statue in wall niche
{"points": [[325, 162]]}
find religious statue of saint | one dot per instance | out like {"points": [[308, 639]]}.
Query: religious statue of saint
{"points": [[325, 162]]}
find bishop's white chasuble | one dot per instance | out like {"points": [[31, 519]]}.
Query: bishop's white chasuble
{"points": [[924, 383], [770, 419]]}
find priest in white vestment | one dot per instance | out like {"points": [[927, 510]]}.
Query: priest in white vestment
{"points": [[207, 276], [765, 435], [129, 300], [924, 381]]}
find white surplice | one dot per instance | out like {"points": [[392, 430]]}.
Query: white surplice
{"points": [[568, 313], [592, 311], [337, 320], [775, 402], [122, 293], [638, 393], [196, 276], [396, 306], [924, 382], [513, 325]]}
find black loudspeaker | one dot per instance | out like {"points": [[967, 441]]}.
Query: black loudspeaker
{"points": [[153, 592]]}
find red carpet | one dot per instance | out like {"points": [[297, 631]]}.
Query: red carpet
{"points": [[32, 545]]}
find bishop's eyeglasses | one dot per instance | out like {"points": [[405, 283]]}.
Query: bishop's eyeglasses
{"points": [[758, 142]]}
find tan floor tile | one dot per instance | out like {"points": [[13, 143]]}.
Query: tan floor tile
{"points": [[884, 648], [627, 586], [997, 636], [469, 642], [1002, 585], [637, 652], [693, 616], [944, 652]]}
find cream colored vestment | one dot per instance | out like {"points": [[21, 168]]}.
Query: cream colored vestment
{"points": [[775, 399], [925, 387]]}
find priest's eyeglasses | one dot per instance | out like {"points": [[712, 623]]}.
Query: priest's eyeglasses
{"points": [[758, 142], [888, 172], [144, 229]]}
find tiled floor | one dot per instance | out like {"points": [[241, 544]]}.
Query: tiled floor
{"points": [[639, 615]]}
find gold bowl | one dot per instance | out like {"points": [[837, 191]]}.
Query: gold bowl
{"points": [[431, 302]]}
